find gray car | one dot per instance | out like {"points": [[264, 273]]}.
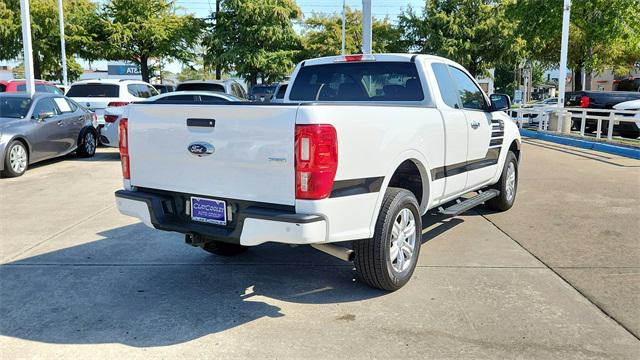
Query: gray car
{"points": [[42, 127]]}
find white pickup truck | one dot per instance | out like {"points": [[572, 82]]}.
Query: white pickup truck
{"points": [[361, 148]]}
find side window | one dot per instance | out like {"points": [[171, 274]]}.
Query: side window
{"points": [[236, 90], [281, 91], [151, 90], [213, 100], [53, 89], [189, 99], [470, 95], [445, 84], [72, 104], [133, 90], [45, 106], [63, 105]]}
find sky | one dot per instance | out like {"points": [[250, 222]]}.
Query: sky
{"points": [[204, 8]]}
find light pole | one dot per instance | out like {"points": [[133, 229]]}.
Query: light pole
{"points": [[366, 27], [26, 44], [563, 125], [344, 20], [63, 52]]}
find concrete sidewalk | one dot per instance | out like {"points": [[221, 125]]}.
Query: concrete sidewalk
{"points": [[80, 280]]}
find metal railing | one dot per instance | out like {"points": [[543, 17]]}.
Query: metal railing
{"points": [[543, 116]]}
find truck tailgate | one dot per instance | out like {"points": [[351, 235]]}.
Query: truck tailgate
{"points": [[252, 145]]}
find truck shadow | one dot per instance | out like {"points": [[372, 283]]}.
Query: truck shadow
{"points": [[142, 289]]}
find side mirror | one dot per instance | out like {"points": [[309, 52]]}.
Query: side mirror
{"points": [[45, 115], [500, 102]]}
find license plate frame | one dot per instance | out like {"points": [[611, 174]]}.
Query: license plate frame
{"points": [[210, 211]]}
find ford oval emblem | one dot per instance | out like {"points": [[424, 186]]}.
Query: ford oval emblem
{"points": [[201, 148]]}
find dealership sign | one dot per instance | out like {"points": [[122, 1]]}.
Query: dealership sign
{"points": [[123, 70]]}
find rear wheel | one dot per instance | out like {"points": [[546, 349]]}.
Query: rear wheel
{"points": [[87, 144], [507, 185], [16, 159], [388, 260], [224, 249]]}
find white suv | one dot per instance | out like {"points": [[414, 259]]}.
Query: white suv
{"points": [[97, 95]]}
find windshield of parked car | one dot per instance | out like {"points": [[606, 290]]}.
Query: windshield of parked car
{"points": [[14, 107], [358, 81], [94, 90], [261, 89], [200, 87]]}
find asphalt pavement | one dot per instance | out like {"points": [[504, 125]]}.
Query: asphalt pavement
{"points": [[557, 276]]}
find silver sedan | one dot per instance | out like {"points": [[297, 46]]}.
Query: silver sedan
{"points": [[42, 127]]}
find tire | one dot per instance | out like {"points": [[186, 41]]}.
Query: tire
{"points": [[16, 159], [374, 262], [223, 249], [87, 143], [507, 185]]}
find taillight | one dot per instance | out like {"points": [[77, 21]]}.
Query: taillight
{"points": [[110, 118], [123, 133], [117, 103], [316, 160], [584, 101]]}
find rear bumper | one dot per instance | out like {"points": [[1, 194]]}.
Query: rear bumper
{"points": [[109, 134], [252, 224]]}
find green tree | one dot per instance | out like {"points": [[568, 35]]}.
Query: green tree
{"points": [[254, 38], [140, 31], [322, 35], [602, 33], [475, 33], [80, 17]]}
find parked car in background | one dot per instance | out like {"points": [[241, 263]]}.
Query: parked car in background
{"points": [[21, 85], [97, 95], [109, 133], [281, 89], [41, 127], [633, 105], [600, 100], [261, 93], [164, 88], [229, 86], [539, 105]]}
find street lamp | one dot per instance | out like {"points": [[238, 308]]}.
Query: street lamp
{"points": [[563, 125], [63, 52], [26, 46]]}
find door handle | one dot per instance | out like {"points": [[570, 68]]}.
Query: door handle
{"points": [[475, 124], [60, 123]]}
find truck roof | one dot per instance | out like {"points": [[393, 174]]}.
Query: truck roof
{"points": [[402, 57]]}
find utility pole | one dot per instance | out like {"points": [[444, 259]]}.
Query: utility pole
{"points": [[218, 67], [366, 27], [563, 125], [63, 52], [344, 20], [26, 44]]}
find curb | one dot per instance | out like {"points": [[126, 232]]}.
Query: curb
{"points": [[625, 151]]}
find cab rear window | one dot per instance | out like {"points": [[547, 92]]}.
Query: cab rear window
{"points": [[94, 90], [358, 81]]}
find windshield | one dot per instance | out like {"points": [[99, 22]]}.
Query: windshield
{"points": [[358, 81], [200, 87], [14, 107], [94, 90], [263, 90]]}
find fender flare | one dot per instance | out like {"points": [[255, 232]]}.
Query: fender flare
{"points": [[425, 172]]}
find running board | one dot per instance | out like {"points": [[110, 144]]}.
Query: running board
{"points": [[470, 203]]}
